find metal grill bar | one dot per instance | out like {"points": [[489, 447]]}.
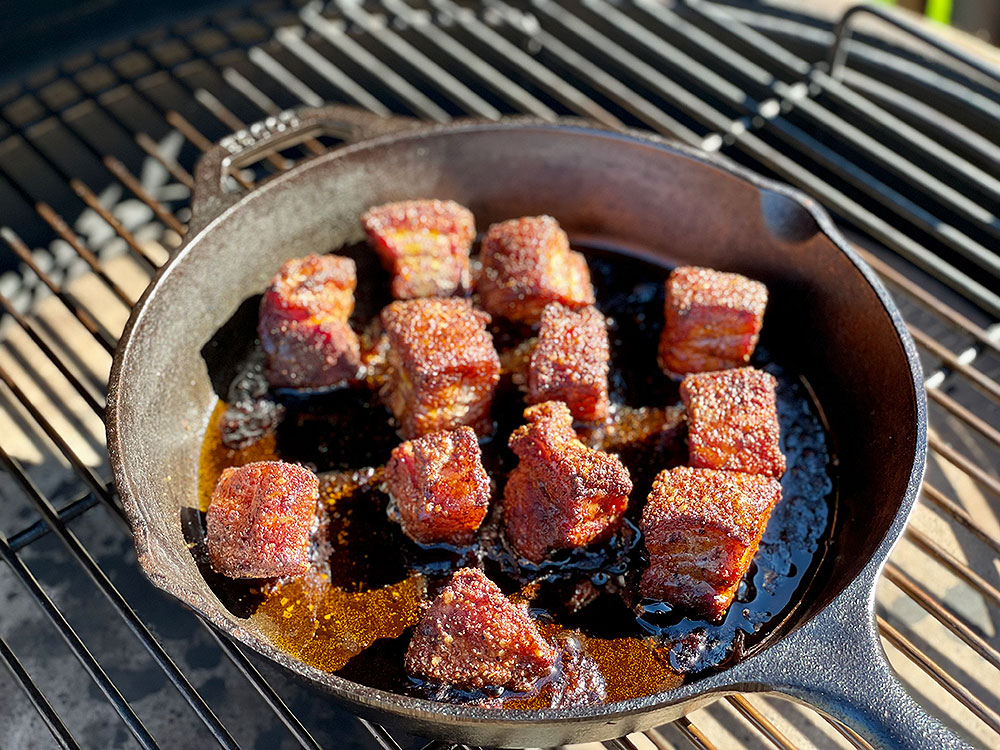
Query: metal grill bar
{"points": [[956, 689], [557, 86], [938, 498], [558, 37], [726, 23], [53, 522], [694, 735], [838, 52], [139, 630], [500, 83], [28, 328], [923, 597], [55, 725], [953, 564], [40, 528], [82, 653], [760, 722], [103, 337]]}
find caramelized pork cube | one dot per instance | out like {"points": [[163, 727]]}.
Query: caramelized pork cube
{"points": [[473, 637], [309, 354], [701, 529], [439, 486], [733, 421], [261, 519], [570, 362], [424, 245], [713, 320], [562, 494], [320, 286], [443, 368], [303, 325], [527, 264]]}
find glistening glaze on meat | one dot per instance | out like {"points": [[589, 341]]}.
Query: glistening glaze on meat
{"points": [[361, 626]]}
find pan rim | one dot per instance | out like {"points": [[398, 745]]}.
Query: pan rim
{"points": [[408, 707]]}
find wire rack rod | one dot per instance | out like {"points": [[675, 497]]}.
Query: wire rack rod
{"points": [[121, 606], [961, 515], [89, 662], [925, 599], [60, 732], [38, 529], [99, 332], [952, 563], [953, 687], [972, 420], [28, 327]]}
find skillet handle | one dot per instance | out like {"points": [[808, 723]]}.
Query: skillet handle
{"points": [[836, 664], [212, 195]]}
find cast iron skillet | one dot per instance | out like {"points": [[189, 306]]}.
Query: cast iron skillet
{"points": [[629, 191]]}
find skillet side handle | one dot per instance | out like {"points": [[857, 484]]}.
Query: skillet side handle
{"points": [[836, 664], [212, 195]]}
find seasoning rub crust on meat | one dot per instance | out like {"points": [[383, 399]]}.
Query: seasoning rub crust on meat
{"points": [[733, 421], [473, 637], [424, 244], [702, 528], [443, 368], [261, 519], [562, 494], [570, 362], [712, 320], [303, 324], [439, 486], [527, 264]]}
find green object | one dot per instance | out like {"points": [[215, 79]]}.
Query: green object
{"points": [[939, 10]]}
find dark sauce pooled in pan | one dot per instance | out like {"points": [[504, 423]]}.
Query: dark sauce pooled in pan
{"points": [[353, 613]]}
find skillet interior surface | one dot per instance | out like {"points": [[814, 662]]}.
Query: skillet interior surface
{"points": [[643, 196]]}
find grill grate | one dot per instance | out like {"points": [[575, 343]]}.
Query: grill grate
{"points": [[898, 136]]}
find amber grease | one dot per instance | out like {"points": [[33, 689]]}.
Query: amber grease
{"points": [[354, 611]]}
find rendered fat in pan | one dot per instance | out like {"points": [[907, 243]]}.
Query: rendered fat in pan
{"points": [[630, 191]]}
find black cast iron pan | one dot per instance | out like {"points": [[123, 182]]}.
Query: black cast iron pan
{"points": [[630, 191]]}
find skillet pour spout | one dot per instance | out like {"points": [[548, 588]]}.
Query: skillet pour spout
{"points": [[829, 318]]}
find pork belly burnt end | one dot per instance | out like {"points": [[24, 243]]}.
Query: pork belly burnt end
{"points": [[424, 245], [570, 362], [733, 421], [562, 494], [303, 324], [713, 320], [527, 264], [702, 528], [443, 368], [473, 637], [440, 488], [261, 519]]}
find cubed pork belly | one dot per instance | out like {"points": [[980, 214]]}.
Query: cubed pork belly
{"points": [[472, 637], [712, 320], [261, 519], [733, 421], [442, 366], [561, 494], [303, 324], [701, 529], [527, 264], [439, 487], [570, 362], [424, 244], [310, 354]]}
